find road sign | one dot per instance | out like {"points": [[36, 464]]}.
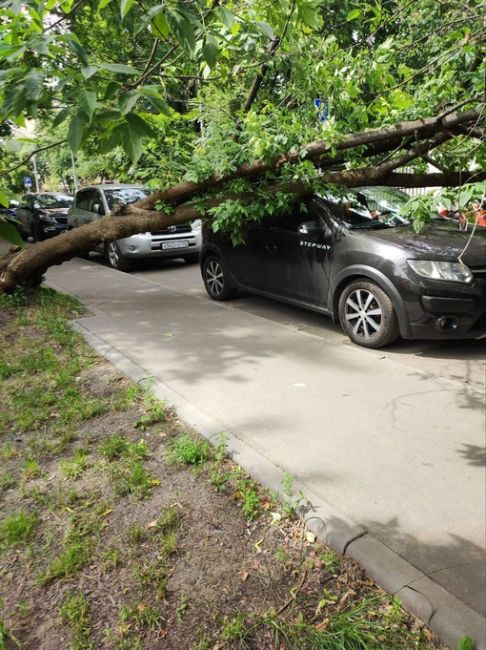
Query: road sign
{"points": [[27, 181]]}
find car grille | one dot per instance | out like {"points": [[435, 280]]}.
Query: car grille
{"points": [[174, 230], [61, 220]]}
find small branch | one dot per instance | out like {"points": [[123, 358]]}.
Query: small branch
{"points": [[257, 82], [435, 163], [27, 158]]}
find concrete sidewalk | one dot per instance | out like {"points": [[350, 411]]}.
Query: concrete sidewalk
{"points": [[390, 458]]}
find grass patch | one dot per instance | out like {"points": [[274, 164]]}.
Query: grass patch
{"points": [[156, 412], [74, 613], [17, 528], [188, 450], [74, 467], [131, 477]]}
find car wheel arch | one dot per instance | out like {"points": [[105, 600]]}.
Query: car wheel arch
{"points": [[368, 273]]}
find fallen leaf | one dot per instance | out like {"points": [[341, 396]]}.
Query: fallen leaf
{"points": [[311, 538], [244, 575]]}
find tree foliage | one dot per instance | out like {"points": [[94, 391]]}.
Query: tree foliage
{"points": [[168, 92]]}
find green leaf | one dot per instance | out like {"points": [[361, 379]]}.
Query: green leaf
{"points": [[227, 17], [125, 6], [4, 200], [128, 101], [103, 4], [182, 29], [265, 28], [60, 117], [87, 103], [139, 126], [466, 643], [9, 232], [160, 26], [210, 50], [89, 70], [75, 132], [119, 68], [310, 16], [77, 48], [152, 94], [354, 13]]}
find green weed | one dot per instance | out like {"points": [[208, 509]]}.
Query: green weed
{"points": [[132, 478], [466, 643], [17, 528], [75, 614], [78, 464], [156, 413], [188, 450], [7, 481], [114, 447], [141, 615], [153, 575], [75, 556], [330, 560], [111, 557], [8, 451]]}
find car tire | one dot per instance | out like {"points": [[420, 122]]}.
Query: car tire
{"points": [[216, 279], [367, 315], [115, 257], [191, 259]]}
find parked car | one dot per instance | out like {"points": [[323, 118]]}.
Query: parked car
{"points": [[43, 215], [378, 279], [9, 213], [90, 203]]}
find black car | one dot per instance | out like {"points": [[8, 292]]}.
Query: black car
{"points": [[370, 272], [43, 215]]}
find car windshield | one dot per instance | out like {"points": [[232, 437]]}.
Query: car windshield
{"points": [[124, 195], [54, 200], [370, 207]]}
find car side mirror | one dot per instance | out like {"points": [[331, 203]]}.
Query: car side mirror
{"points": [[37, 205], [311, 228], [98, 208]]}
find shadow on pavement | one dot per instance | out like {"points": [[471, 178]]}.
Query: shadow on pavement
{"points": [[474, 454]]}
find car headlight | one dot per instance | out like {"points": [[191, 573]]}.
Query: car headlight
{"points": [[434, 270], [197, 224]]}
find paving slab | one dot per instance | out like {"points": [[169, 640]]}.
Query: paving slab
{"points": [[390, 450]]}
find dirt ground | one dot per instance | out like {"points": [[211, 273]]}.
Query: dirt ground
{"points": [[121, 528]]}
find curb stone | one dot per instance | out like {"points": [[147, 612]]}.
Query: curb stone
{"points": [[450, 618]]}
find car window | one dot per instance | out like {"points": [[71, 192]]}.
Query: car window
{"points": [[54, 200], [85, 199], [124, 195], [291, 220]]}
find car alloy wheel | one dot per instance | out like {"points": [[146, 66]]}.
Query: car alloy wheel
{"points": [[115, 258], [363, 313], [216, 279], [367, 314]]}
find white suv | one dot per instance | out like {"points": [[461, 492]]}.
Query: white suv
{"points": [[93, 202]]}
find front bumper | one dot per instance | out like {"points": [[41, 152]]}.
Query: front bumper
{"points": [[147, 245], [460, 316], [51, 230]]}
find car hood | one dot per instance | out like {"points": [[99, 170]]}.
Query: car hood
{"points": [[437, 241]]}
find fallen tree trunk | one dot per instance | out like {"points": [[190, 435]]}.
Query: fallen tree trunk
{"points": [[406, 141]]}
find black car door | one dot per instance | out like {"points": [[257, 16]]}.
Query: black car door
{"points": [[247, 261], [297, 260]]}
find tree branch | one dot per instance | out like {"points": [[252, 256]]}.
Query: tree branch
{"points": [[257, 82], [27, 158]]}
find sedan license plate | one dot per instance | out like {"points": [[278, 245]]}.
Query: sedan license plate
{"points": [[173, 244]]}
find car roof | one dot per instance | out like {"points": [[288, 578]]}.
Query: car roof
{"points": [[113, 186]]}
